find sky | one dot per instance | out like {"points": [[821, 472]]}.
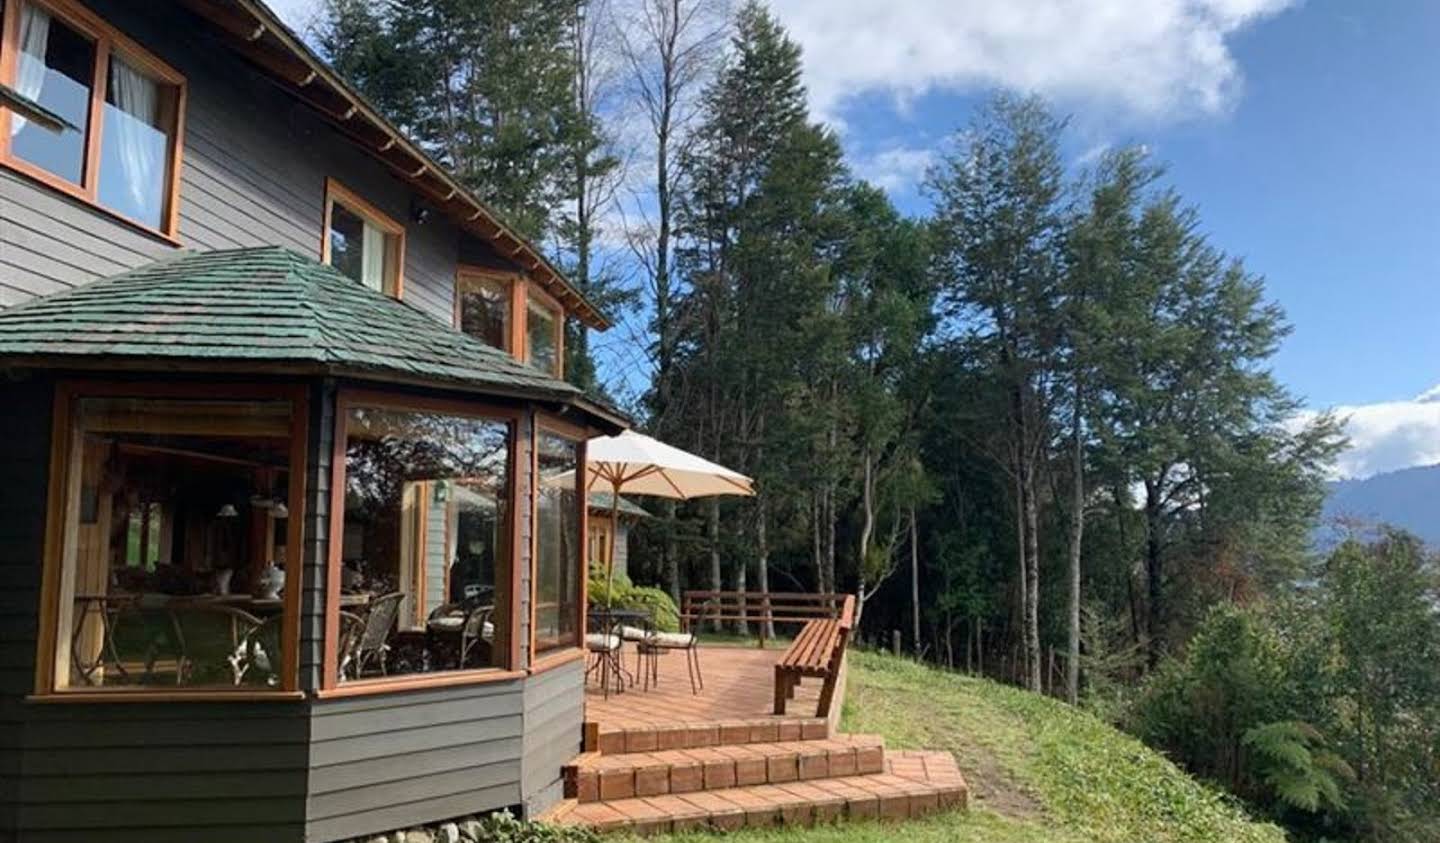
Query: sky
{"points": [[1304, 131]]}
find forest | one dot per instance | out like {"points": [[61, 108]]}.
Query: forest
{"points": [[1034, 429]]}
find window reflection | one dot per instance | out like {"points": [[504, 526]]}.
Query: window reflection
{"points": [[176, 538], [426, 537], [484, 310], [56, 68], [557, 531], [542, 329]]}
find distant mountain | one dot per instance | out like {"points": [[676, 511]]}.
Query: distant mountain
{"points": [[1408, 498]]}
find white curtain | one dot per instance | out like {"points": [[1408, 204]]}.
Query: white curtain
{"points": [[372, 259], [30, 76], [137, 96]]}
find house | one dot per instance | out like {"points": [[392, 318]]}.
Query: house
{"points": [[610, 523], [276, 560]]}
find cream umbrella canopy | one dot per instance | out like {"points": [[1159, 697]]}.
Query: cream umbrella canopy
{"points": [[635, 464]]}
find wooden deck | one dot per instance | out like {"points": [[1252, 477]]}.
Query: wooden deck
{"points": [[738, 692]]}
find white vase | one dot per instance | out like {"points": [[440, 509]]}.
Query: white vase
{"points": [[222, 580], [271, 580]]}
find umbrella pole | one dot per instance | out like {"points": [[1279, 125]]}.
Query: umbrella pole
{"points": [[614, 535]]}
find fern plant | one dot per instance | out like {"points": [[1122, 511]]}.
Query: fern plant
{"points": [[1289, 757]]}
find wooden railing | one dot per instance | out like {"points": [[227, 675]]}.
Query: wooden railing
{"points": [[758, 607]]}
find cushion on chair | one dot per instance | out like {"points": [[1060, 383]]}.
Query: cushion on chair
{"points": [[446, 622], [597, 643], [633, 633], [672, 640]]}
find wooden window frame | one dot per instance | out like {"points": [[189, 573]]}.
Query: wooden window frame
{"points": [[466, 275], [335, 192], [107, 40], [346, 400], [533, 293], [64, 437], [578, 435]]}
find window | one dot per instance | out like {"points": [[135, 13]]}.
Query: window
{"points": [[482, 308], [425, 542], [558, 540], [543, 324], [121, 150], [362, 242], [600, 538], [176, 539]]}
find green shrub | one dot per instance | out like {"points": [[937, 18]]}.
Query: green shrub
{"points": [[626, 595]]}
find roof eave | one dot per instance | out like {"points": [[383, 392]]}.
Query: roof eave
{"points": [[264, 27]]}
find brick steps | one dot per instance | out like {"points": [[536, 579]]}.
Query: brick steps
{"points": [[596, 777], [913, 784], [610, 740]]}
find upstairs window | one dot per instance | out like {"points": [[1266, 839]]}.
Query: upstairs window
{"points": [[361, 241], [543, 324], [123, 108], [482, 308]]}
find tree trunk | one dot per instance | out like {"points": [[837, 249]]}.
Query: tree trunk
{"points": [[1024, 580], [670, 556], [915, 581], [762, 543], [1032, 597], [712, 528], [1077, 534], [1153, 573]]}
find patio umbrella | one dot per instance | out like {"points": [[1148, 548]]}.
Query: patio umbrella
{"points": [[635, 464]]}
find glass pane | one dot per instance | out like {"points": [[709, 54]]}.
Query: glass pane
{"points": [[426, 542], [540, 329], [176, 544], [55, 67], [347, 242], [135, 144], [484, 305], [557, 530]]}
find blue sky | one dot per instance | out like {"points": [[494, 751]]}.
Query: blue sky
{"points": [[1307, 133]]}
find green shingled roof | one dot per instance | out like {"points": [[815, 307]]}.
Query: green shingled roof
{"points": [[263, 305], [602, 501]]}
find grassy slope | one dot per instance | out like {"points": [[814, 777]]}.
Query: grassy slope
{"points": [[1038, 770]]}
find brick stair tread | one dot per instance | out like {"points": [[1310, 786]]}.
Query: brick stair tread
{"points": [[596, 777], [612, 739], [922, 784]]}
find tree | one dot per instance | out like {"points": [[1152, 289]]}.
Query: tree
{"points": [[1101, 266], [485, 87], [1000, 221], [594, 175], [669, 48], [1192, 413]]}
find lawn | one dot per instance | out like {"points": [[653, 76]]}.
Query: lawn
{"points": [[1038, 770]]}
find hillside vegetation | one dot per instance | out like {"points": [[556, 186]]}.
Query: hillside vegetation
{"points": [[1038, 770]]}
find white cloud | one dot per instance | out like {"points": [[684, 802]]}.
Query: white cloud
{"points": [[895, 169], [1152, 59], [1391, 435]]}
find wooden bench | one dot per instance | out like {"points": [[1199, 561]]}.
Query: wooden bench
{"points": [[817, 652]]}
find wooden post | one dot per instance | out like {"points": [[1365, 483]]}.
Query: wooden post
{"points": [[895, 641]]}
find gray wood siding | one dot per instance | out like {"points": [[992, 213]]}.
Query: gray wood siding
{"points": [[384, 762], [254, 170], [177, 772], [25, 453], [554, 711]]}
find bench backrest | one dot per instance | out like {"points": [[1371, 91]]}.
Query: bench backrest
{"points": [[758, 606]]}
